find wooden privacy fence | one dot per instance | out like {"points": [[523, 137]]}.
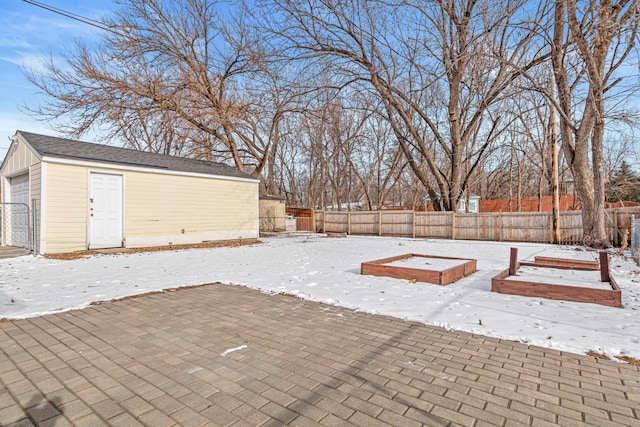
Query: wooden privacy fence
{"points": [[304, 218], [497, 226]]}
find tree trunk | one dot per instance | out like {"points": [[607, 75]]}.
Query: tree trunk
{"points": [[553, 146]]}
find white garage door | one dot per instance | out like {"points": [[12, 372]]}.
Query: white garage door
{"points": [[18, 212]]}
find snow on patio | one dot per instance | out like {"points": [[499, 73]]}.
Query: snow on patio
{"points": [[328, 270]]}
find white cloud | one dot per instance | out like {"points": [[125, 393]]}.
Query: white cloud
{"points": [[30, 60]]}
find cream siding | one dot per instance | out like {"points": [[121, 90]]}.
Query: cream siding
{"points": [[35, 187], [272, 215], [159, 207], [66, 220], [19, 159]]}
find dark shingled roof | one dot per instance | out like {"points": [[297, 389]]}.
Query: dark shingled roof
{"points": [[77, 150]]}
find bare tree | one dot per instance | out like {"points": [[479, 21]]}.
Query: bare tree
{"points": [[598, 37], [188, 72], [435, 66], [378, 161]]}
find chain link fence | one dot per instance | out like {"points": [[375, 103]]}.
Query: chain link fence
{"points": [[635, 239]]}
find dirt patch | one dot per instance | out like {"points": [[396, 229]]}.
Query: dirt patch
{"points": [[203, 245]]}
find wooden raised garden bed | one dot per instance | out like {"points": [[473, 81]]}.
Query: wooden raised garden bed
{"points": [[421, 268], [560, 279], [544, 261]]}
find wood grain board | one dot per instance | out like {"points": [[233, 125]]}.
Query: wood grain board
{"points": [[443, 277]]}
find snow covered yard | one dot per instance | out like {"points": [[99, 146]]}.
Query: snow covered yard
{"points": [[323, 269]]}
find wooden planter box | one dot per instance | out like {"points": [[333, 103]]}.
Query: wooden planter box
{"points": [[444, 276], [506, 283], [566, 263]]}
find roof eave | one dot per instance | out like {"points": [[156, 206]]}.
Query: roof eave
{"points": [[140, 168]]}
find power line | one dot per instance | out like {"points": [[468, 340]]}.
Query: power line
{"points": [[72, 15]]}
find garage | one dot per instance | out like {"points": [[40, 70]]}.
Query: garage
{"points": [[96, 196], [17, 212]]}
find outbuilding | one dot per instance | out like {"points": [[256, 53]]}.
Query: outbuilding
{"points": [[94, 196], [272, 213]]}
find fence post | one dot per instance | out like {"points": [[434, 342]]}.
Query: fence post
{"points": [[34, 227], [348, 223], [550, 224], [380, 222], [413, 224], [453, 225], [616, 232], [324, 221]]}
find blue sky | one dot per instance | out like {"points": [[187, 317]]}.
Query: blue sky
{"points": [[28, 35]]}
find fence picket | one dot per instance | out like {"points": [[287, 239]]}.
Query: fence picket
{"points": [[503, 226]]}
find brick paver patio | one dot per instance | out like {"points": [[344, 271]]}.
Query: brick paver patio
{"points": [[224, 355]]}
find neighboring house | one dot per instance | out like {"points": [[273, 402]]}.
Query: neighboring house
{"points": [[474, 204], [350, 206], [92, 196]]}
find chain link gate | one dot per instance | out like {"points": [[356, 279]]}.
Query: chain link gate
{"points": [[15, 227]]}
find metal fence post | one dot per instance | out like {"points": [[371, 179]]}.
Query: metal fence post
{"points": [[34, 227], [635, 238]]}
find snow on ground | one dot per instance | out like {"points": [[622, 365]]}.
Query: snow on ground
{"points": [[580, 278], [327, 270], [428, 263]]}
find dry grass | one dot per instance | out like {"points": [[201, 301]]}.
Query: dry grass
{"points": [[89, 253], [597, 355], [630, 360]]}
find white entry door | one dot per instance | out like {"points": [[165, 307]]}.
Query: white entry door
{"points": [[105, 211], [18, 211]]}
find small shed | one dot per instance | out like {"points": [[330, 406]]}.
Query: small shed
{"points": [[272, 213], [93, 196]]}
